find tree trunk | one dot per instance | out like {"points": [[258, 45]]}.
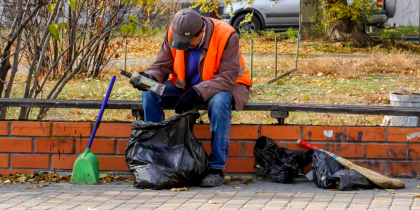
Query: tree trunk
{"points": [[4, 69], [346, 30]]}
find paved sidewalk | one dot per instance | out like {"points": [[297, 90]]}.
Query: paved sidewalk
{"points": [[263, 194]]}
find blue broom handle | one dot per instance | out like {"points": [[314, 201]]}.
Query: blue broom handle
{"points": [[98, 120]]}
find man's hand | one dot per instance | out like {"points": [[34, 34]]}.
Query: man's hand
{"points": [[187, 100], [135, 80]]}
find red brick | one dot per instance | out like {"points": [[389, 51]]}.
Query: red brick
{"points": [[414, 151], [307, 168], [403, 134], [30, 161], [240, 165], [13, 171], [364, 134], [347, 150], [398, 168], [244, 132], [377, 166], [202, 131], [294, 146], [114, 163], [280, 144], [386, 151], [16, 145], [207, 146], [236, 132], [54, 145], [114, 130], [234, 148], [281, 132], [4, 161], [71, 128], [63, 161], [99, 146], [30, 128], [122, 144], [322, 133], [4, 128], [249, 148]]}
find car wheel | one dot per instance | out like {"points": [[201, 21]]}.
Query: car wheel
{"points": [[253, 26]]}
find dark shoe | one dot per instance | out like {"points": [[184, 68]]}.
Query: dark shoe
{"points": [[213, 180]]}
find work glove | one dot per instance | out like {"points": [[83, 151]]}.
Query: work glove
{"points": [[187, 100], [135, 80]]}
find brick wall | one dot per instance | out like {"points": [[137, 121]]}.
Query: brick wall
{"points": [[46, 146]]}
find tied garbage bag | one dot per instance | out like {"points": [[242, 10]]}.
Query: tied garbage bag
{"points": [[329, 174], [166, 155], [280, 164]]}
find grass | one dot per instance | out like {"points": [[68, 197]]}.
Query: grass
{"points": [[366, 78], [400, 31]]}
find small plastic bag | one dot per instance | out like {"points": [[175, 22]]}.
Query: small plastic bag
{"points": [[329, 174], [280, 164]]}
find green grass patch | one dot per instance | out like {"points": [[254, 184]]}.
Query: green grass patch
{"points": [[400, 31]]}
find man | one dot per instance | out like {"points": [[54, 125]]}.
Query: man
{"points": [[203, 58]]}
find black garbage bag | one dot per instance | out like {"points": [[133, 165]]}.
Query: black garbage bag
{"points": [[329, 174], [280, 164], [166, 155]]}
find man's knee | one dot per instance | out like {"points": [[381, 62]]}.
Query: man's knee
{"points": [[148, 96], [221, 100]]}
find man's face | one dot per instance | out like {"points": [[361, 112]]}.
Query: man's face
{"points": [[197, 39]]}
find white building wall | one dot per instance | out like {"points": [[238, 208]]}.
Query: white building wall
{"points": [[407, 13]]}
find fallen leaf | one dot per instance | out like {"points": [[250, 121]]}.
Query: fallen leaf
{"points": [[231, 185], [238, 188], [22, 178], [248, 181], [227, 178], [417, 196], [105, 175], [334, 190], [389, 190], [34, 187], [179, 189], [418, 186]]}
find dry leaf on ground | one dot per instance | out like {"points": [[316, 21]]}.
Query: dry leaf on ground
{"points": [[179, 189]]}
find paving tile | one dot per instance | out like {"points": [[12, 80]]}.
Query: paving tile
{"points": [[299, 195]]}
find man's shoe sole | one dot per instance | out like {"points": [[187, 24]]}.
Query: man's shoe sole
{"points": [[213, 184]]}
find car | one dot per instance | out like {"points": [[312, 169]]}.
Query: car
{"points": [[280, 15]]}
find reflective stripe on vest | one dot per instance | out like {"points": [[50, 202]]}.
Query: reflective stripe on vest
{"points": [[221, 34]]}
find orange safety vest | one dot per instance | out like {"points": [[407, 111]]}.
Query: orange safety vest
{"points": [[220, 36]]}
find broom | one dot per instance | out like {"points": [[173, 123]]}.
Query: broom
{"points": [[86, 165], [378, 179]]}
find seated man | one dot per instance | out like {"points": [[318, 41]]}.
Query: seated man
{"points": [[202, 57]]}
